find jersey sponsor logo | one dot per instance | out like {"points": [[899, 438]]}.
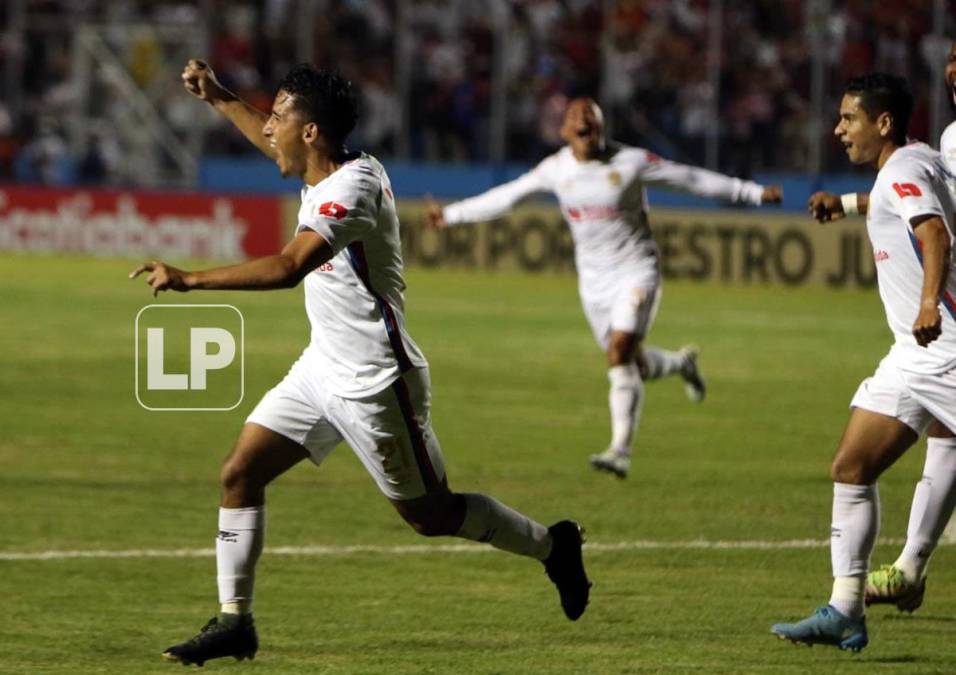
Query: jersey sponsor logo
{"points": [[880, 255], [907, 190], [592, 212], [333, 210], [324, 267]]}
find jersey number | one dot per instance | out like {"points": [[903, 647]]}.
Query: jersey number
{"points": [[907, 190]]}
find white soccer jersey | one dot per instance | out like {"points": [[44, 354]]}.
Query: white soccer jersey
{"points": [[947, 148], [354, 302], [912, 183], [605, 205]]}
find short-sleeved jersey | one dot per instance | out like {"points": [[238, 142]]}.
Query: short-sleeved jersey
{"points": [[912, 183], [605, 205], [947, 148], [355, 301]]}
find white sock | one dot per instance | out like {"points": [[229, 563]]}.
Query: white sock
{"points": [[660, 362], [238, 545], [855, 524], [489, 521], [933, 502], [625, 399]]}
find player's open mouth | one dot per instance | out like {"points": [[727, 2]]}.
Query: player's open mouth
{"points": [[583, 132]]}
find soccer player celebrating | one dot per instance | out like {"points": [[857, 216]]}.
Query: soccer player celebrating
{"points": [[361, 379], [910, 215], [600, 186], [903, 583]]}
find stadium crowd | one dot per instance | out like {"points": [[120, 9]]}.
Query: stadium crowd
{"points": [[651, 77]]}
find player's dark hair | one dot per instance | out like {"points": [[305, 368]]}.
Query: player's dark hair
{"points": [[325, 97], [884, 93]]}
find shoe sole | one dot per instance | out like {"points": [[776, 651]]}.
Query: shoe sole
{"points": [[172, 658], [849, 645]]}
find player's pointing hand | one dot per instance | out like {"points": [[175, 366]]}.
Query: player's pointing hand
{"points": [[162, 277], [201, 82]]}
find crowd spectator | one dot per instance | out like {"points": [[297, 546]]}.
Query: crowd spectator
{"points": [[426, 70]]}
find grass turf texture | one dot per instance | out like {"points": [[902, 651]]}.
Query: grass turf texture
{"points": [[519, 403]]}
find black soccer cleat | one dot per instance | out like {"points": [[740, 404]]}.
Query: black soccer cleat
{"points": [[565, 567], [229, 635]]}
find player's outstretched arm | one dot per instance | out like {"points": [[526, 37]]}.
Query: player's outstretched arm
{"points": [[704, 182], [489, 205], [826, 206], [285, 270], [934, 242], [201, 82]]}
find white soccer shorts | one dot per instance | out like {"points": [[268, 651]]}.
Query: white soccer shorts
{"points": [[912, 398], [389, 431], [630, 309]]}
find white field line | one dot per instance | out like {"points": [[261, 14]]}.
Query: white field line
{"points": [[427, 549]]}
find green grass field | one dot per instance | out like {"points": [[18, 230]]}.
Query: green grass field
{"points": [[519, 403]]}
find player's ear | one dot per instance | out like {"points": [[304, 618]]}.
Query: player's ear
{"points": [[885, 123], [310, 132]]}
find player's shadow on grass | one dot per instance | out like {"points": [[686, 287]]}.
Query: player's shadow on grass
{"points": [[921, 617], [909, 658]]}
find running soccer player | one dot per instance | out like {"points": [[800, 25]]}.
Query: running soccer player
{"points": [[910, 216], [600, 186], [361, 379], [903, 583]]}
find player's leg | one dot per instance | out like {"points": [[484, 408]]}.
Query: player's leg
{"points": [[275, 437], [870, 444], [655, 362], [397, 445], [258, 457], [628, 320], [904, 582]]}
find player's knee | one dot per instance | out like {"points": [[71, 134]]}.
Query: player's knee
{"points": [[429, 525], [846, 469], [235, 477]]}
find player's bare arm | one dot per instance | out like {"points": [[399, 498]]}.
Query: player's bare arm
{"points": [[284, 270], [934, 242], [200, 81], [826, 207]]}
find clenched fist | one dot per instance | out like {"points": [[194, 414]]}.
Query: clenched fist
{"points": [[201, 82]]}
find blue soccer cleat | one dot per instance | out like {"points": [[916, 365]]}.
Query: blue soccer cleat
{"points": [[826, 626]]}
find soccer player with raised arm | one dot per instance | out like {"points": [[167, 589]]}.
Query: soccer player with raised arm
{"points": [[361, 379], [910, 222], [903, 583], [600, 186]]}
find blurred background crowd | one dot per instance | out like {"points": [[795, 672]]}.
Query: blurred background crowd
{"points": [[744, 87]]}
